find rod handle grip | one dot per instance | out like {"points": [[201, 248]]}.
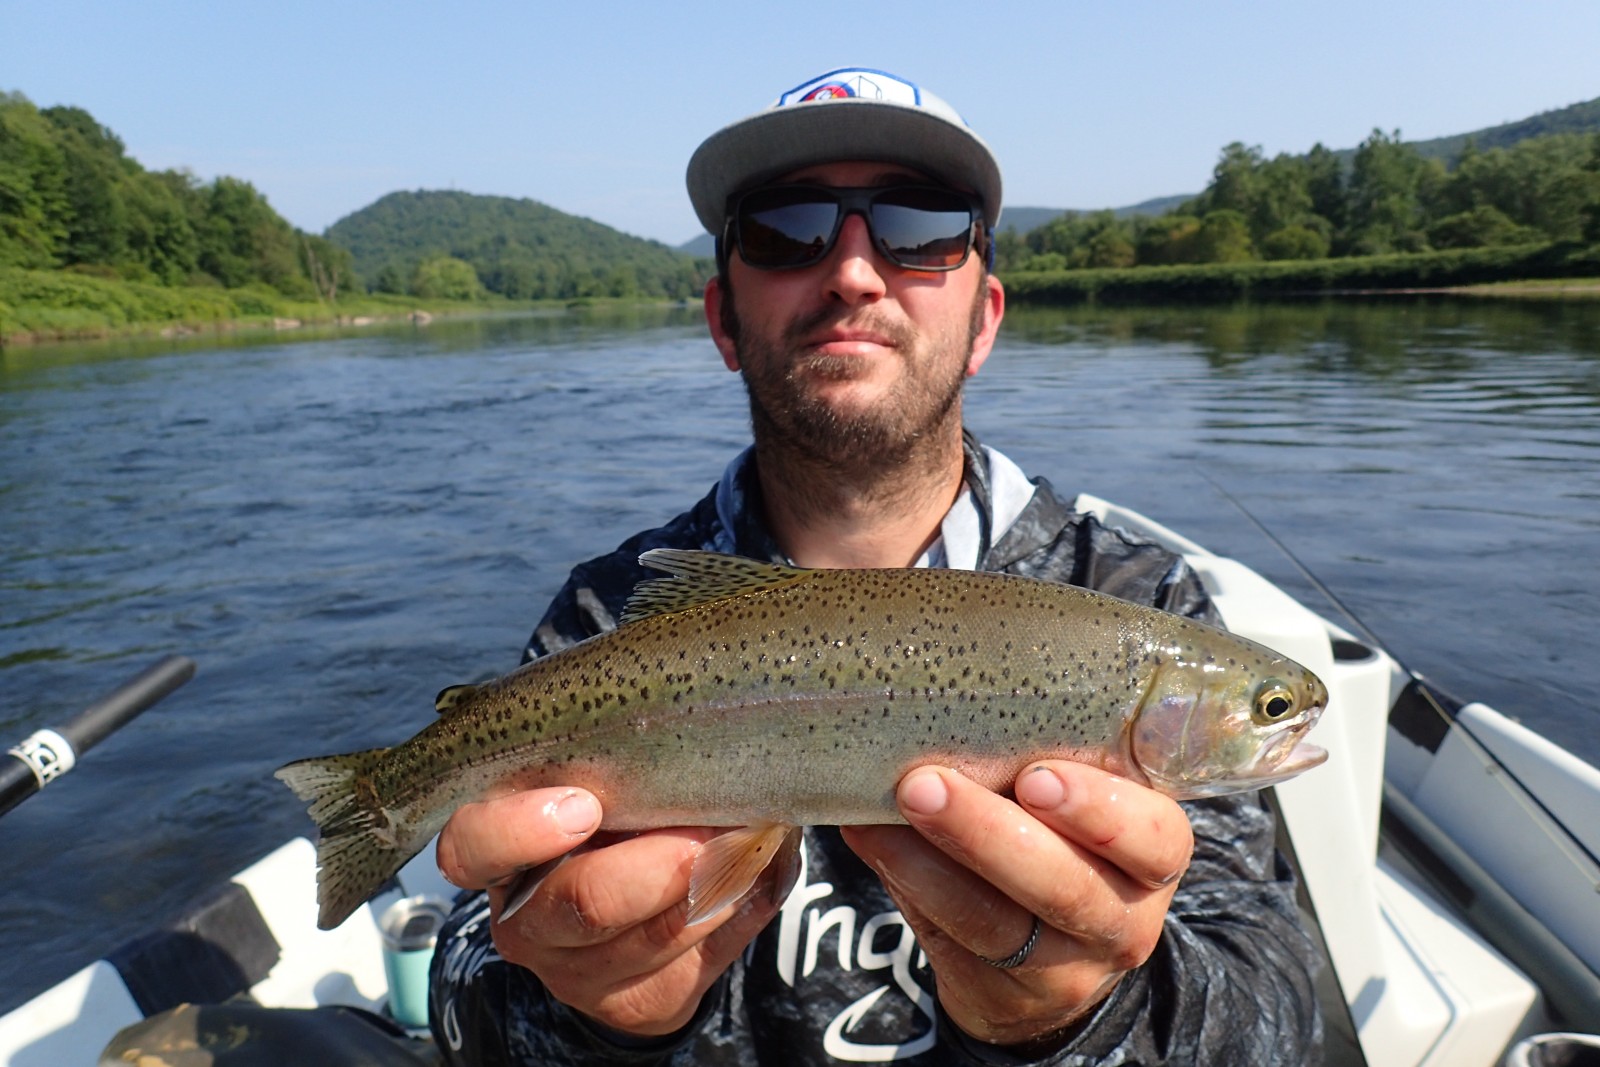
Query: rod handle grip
{"points": [[49, 754]]}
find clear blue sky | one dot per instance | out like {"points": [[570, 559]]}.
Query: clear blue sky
{"points": [[594, 107]]}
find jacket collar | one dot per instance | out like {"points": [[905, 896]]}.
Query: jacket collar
{"points": [[995, 494]]}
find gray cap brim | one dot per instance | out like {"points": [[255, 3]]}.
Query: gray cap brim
{"points": [[771, 143]]}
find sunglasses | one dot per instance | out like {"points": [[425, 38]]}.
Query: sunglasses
{"points": [[916, 227]]}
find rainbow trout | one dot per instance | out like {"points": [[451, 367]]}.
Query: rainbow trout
{"points": [[744, 694]]}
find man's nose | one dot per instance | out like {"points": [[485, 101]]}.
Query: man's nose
{"points": [[855, 270]]}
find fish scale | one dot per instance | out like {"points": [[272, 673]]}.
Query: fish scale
{"points": [[738, 693]]}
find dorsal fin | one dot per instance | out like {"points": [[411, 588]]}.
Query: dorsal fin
{"points": [[701, 578], [452, 697]]}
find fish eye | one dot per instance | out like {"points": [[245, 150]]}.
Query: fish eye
{"points": [[1274, 703]]}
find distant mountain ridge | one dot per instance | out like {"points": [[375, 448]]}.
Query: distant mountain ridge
{"points": [[1582, 117], [1023, 219], [1575, 118]]}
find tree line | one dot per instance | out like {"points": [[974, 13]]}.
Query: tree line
{"points": [[71, 198], [1386, 198]]}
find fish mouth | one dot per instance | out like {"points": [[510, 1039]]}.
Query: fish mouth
{"points": [[1302, 757], [1288, 756]]}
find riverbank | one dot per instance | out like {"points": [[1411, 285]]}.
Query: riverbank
{"points": [[1519, 268], [1545, 289], [48, 306]]}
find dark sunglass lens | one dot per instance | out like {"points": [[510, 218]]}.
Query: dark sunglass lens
{"points": [[930, 229], [785, 228]]}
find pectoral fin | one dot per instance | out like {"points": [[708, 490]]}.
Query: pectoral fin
{"points": [[728, 866], [523, 884]]}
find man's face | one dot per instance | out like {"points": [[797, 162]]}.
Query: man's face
{"points": [[854, 359]]}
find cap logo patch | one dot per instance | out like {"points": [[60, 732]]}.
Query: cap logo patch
{"points": [[854, 84], [828, 92]]}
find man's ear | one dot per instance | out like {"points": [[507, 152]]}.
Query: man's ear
{"points": [[724, 341], [994, 309]]}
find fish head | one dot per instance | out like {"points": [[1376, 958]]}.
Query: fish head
{"points": [[1215, 724]]}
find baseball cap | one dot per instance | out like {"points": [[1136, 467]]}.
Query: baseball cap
{"points": [[846, 114]]}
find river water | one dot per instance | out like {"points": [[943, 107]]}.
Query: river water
{"points": [[337, 527]]}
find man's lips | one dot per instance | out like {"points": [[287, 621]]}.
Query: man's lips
{"points": [[849, 342]]}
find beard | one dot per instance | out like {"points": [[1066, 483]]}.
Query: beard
{"points": [[785, 384]]}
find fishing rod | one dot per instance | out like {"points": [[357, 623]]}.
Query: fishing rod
{"points": [[48, 754], [1424, 689], [1316, 583], [1570, 986]]}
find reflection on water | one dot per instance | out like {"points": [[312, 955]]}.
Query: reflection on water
{"points": [[336, 528], [1376, 330]]}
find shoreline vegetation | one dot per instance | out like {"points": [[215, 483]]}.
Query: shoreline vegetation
{"points": [[43, 307], [61, 305], [1505, 271]]}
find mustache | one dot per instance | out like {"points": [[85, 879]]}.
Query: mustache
{"points": [[899, 334]]}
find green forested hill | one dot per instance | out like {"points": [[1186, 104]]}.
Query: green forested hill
{"points": [[519, 248]]}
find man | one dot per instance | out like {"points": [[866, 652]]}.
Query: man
{"points": [[1080, 920]]}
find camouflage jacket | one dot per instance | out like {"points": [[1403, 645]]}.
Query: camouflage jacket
{"points": [[838, 976]]}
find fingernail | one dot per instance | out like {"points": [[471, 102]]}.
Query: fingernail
{"points": [[1041, 788], [577, 814], [924, 793]]}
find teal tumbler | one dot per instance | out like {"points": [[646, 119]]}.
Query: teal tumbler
{"points": [[410, 927]]}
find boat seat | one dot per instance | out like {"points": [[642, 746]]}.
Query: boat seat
{"points": [[219, 949]]}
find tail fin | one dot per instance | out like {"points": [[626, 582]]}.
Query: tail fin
{"points": [[358, 849]]}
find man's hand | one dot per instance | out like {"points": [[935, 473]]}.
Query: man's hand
{"points": [[1096, 858], [605, 930]]}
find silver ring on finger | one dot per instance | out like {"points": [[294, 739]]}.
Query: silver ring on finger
{"points": [[1017, 958]]}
